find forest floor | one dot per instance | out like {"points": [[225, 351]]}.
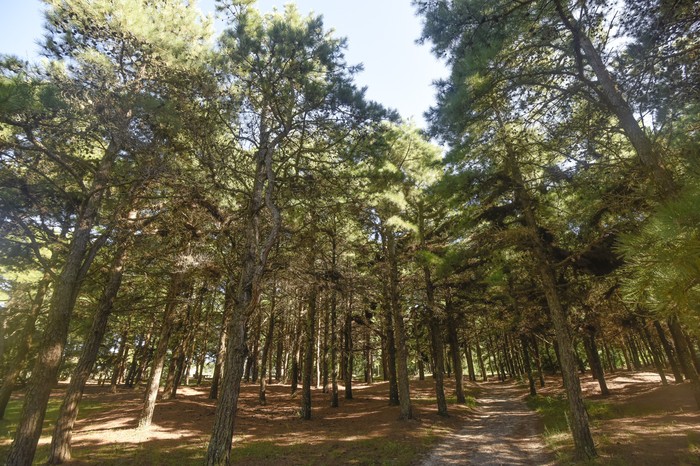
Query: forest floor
{"points": [[641, 423], [505, 431]]}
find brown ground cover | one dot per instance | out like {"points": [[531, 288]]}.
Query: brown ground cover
{"points": [[364, 430], [641, 423]]}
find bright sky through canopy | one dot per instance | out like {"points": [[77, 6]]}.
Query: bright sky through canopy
{"points": [[381, 35]]}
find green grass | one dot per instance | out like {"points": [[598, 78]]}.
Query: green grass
{"points": [[554, 413], [8, 425], [374, 451]]}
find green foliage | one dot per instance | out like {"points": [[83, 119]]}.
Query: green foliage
{"points": [[662, 270]]}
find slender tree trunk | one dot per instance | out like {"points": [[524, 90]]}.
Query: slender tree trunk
{"points": [[453, 337], [655, 356], [24, 344], [684, 356], [596, 363], [323, 360], [391, 355], [613, 99], [267, 346], [538, 360], [399, 332], [149, 398], [347, 354], [45, 371], [296, 356], [334, 344], [480, 358], [670, 354], [220, 355], [578, 420], [61, 441], [438, 364], [120, 360], [528, 366], [309, 354]]}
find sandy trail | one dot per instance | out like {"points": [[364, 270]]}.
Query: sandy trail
{"points": [[505, 432]]}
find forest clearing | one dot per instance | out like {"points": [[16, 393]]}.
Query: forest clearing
{"points": [[216, 248]]}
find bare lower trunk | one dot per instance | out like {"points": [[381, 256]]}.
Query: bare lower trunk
{"points": [[528, 366], [220, 357], [684, 356], [390, 353], [399, 332], [334, 349], [266, 350], [437, 346], [347, 354], [453, 336], [23, 345], [219, 449], [45, 371], [308, 355], [595, 362], [151, 394], [62, 434]]}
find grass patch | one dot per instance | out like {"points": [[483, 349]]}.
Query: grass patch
{"points": [[374, 451], [8, 425], [554, 413]]}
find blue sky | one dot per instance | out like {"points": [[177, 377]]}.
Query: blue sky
{"points": [[381, 35]]}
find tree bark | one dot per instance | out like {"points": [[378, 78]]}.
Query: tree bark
{"points": [[613, 99], [266, 347], [309, 354], [347, 353], [580, 429], [220, 354], [528, 366], [684, 356], [399, 332], [453, 337], [61, 441], [595, 362], [45, 372], [24, 344], [670, 353], [151, 393]]}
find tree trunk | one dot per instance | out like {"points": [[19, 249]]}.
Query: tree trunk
{"points": [[334, 344], [480, 358], [220, 355], [399, 332], [438, 364], [23, 345], [684, 356], [172, 303], [453, 337], [309, 354], [578, 421], [45, 371], [670, 354], [655, 356], [528, 366], [347, 354], [391, 355], [120, 360], [614, 100], [595, 362], [61, 441], [267, 346]]}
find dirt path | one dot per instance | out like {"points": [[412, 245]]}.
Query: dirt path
{"points": [[504, 432]]}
